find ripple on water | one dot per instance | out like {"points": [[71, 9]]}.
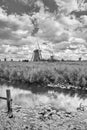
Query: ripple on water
{"points": [[27, 98]]}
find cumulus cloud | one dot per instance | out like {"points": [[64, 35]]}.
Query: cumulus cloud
{"points": [[15, 24], [67, 6], [53, 26], [14, 31]]}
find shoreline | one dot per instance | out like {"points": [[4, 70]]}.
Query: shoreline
{"points": [[44, 74], [37, 88]]}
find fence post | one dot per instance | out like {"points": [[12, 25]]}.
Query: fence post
{"points": [[9, 102]]}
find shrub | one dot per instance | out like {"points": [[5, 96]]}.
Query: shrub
{"points": [[13, 75], [6, 73], [67, 73]]}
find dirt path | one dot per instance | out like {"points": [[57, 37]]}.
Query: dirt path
{"points": [[43, 118]]}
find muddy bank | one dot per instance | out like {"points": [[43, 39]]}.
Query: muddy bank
{"points": [[44, 118], [43, 111]]}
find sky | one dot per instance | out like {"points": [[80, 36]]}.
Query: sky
{"points": [[58, 26]]}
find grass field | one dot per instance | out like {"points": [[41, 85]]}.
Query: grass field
{"points": [[73, 73]]}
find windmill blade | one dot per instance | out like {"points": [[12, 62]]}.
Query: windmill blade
{"points": [[36, 27], [38, 45], [79, 3]]}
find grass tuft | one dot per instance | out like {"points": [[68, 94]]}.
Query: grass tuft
{"points": [[44, 73]]}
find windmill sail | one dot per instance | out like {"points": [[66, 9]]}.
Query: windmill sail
{"points": [[80, 3], [36, 28]]}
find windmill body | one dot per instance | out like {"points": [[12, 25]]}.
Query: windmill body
{"points": [[37, 55], [52, 58]]}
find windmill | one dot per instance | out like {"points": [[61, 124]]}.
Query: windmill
{"points": [[80, 58], [37, 54], [52, 58]]}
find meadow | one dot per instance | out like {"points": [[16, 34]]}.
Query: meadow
{"points": [[43, 73]]}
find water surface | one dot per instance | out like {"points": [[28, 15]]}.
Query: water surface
{"points": [[59, 99]]}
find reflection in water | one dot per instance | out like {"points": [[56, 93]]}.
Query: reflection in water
{"points": [[27, 98]]}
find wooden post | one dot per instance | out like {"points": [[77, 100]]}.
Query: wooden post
{"points": [[9, 102]]}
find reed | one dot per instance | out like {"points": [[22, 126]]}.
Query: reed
{"points": [[44, 72]]}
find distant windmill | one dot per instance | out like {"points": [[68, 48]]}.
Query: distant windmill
{"points": [[37, 54], [52, 56], [80, 58], [5, 59]]}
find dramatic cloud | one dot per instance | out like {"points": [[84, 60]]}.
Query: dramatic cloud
{"points": [[59, 26]]}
